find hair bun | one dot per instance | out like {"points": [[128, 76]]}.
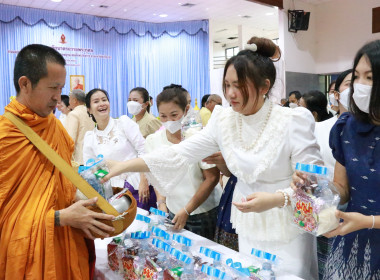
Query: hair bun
{"points": [[264, 46]]}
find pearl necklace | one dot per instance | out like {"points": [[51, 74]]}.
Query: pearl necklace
{"points": [[240, 128]]}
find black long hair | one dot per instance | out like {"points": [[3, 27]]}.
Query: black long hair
{"points": [[88, 100], [371, 51], [316, 101]]}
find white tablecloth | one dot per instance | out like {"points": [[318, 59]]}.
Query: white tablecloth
{"points": [[104, 272]]}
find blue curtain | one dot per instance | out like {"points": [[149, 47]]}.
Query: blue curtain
{"points": [[116, 55]]}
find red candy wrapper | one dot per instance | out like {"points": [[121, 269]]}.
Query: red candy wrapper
{"points": [[304, 212], [129, 268], [113, 260], [315, 201]]}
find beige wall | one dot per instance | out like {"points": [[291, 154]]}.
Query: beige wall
{"points": [[337, 29]]}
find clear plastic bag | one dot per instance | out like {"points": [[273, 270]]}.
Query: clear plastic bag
{"points": [[93, 172], [191, 124], [315, 202]]}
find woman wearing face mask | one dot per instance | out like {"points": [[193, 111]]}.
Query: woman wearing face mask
{"points": [[116, 139], [342, 91], [333, 103], [355, 142], [322, 133], [139, 106], [261, 144], [193, 203]]}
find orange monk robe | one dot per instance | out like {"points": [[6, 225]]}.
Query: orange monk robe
{"points": [[79, 86], [31, 189]]}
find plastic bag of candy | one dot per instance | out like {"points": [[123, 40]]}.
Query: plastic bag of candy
{"points": [[315, 202]]}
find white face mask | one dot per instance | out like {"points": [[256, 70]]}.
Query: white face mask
{"points": [[293, 105], [173, 126], [344, 98], [134, 107], [333, 100], [362, 96]]}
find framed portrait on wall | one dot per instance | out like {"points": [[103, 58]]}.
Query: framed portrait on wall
{"points": [[77, 82]]}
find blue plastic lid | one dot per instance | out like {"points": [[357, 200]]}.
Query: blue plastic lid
{"points": [[182, 239], [212, 271], [160, 233], [158, 212], [143, 218], [210, 253], [161, 244], [180, 256], [140, 234], [312, 168]]}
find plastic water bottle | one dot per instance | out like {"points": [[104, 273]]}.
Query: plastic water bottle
{"points": [[266, 272]]}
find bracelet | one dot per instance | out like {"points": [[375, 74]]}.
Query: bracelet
{"points": [[57, 221], [186, 211], [373, 221], [159, 202], [285, 197]]}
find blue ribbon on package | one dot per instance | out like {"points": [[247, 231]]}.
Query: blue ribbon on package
{"points": [[180, 256], [161, 244], [160, 233], [140, 235], [182, 239], [237, 266], [90, 163], [210, 253], [213, 272], [264, 255], [157, 212], [143, 218]]}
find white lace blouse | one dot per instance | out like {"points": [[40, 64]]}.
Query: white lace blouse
{"points": [[121, 140], [287, 137]]}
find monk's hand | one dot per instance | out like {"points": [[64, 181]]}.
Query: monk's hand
{"points": [[260, 201], [78, 216]]}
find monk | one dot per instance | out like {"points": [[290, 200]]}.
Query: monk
{"points": [[42, 231]]}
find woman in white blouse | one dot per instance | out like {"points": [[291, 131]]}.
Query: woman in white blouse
{"points": [[193, 203], [261, 143], [116, 139]]}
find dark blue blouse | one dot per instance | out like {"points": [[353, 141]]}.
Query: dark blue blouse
{"points": [[356, 145]]}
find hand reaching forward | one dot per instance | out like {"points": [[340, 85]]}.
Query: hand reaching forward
{"points": [[180, 220], [78, 216]]}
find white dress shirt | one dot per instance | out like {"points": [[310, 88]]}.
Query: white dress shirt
{"points": [[190, 182], [121, 140]]}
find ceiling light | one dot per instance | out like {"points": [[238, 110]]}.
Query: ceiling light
{"points": [[154, 14], [163, 15], [269, 14], [125, 10], [92, 5], [239, 15], [206, 9], [57, 1]]}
